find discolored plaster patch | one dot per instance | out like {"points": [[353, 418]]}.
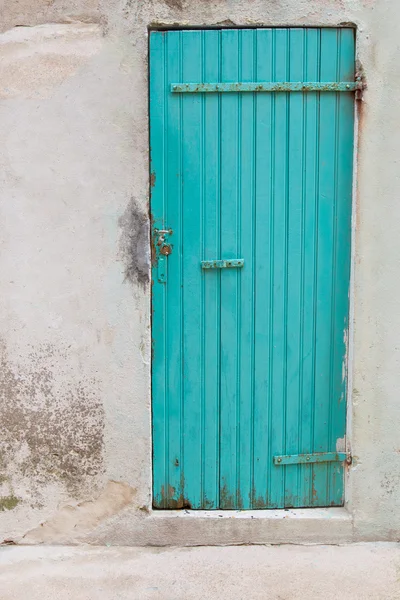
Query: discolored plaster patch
{"points": [[71, 522], [51, 425], [35, 61], [134, 249], [36, 12]]}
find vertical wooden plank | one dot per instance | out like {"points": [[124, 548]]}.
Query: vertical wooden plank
{"points": [[279, 279], [229, 278], [326, 263], [157, 143], [341, 275], [173, 285], [294, 240], [247, 274], [309, 254], [211, 278], [192, 184], [264, 259]]}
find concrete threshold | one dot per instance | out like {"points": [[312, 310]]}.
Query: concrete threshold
{"points": [[285, 513], [222, 528]]}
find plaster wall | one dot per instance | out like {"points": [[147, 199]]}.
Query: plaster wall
{"points": [[75, 405]]}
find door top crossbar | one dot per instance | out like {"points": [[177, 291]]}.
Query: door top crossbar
{"points": [[268, 86]]}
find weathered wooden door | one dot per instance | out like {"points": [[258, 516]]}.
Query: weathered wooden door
{"points": [[251, 184]]}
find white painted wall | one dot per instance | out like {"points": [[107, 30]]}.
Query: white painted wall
{"points": [[75, 447]]}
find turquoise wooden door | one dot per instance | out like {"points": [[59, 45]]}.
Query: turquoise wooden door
{"points": [[249, 355]]}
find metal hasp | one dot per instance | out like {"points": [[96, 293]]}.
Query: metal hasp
{"points": [[233, 263], [163, 249], [269, 86], [317, 457]]}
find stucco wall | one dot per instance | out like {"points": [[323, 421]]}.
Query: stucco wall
{"points": [[75, 407]]}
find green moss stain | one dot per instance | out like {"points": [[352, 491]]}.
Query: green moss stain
{"points": [[8, 502]]}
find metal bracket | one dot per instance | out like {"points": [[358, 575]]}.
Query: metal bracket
{"points": [[232, 263], [316, 457]]}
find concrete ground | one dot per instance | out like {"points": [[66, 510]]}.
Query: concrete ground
{"points": [[360, 571]]}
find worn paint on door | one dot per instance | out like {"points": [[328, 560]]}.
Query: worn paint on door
{"points": [[249, 359]]}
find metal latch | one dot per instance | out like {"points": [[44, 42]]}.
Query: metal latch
{"points": [[232, 263], [163, 249]]}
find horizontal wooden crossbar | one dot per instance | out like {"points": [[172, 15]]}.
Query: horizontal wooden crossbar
{"points": [[268, 86]]}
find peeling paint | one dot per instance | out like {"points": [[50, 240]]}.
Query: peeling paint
{"points": [[341, 444], [173, 498], [230, 500], [346, 351]]}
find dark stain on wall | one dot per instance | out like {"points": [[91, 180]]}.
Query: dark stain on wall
{"points": [[8, 502], [51, 422], [134, 244], [177, 4]]}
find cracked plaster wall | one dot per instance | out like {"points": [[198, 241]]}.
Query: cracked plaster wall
{"points": [[74, 301]]}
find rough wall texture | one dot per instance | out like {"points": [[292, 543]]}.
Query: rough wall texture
{"points": [[74, 264], [74, 375]]}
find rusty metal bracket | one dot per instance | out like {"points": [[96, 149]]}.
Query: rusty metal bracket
{"points": [[361, 85], [314, 457]]}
